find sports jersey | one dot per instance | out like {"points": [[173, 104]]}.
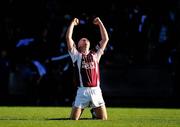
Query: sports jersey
{"points": [[87, 67]]}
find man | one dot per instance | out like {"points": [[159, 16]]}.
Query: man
{"points": [[87, 62]]}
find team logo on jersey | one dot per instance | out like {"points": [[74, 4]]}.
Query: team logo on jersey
{"points": [[88, 65]]}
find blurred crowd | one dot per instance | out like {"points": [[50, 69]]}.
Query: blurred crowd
{"points": [[34, 62]]}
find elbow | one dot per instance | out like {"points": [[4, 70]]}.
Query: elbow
{"points": [[68, 38], [106, 39]]}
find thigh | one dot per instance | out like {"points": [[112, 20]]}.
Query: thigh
{"points": [[82, 99], [97, 98], [101, 112]]}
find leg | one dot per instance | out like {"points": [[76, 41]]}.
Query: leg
{"points": [[93, 113], [101, 112], [76, 113]]}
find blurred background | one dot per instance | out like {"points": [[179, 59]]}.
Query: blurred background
{"points": [[140, 67]]}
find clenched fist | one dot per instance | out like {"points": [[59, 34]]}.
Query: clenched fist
{"points": [[96, 21], [75, 21]]}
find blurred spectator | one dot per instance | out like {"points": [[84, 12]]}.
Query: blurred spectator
{"points": [[4, 73]]}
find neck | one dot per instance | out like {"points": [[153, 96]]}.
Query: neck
{"points": [[85, 52]]}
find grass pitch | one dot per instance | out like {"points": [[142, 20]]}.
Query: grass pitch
{"points": [[58, 117]]}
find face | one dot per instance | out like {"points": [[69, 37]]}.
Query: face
{"points": [[83, 44]]}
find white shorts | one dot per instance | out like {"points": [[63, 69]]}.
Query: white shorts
{"points": [[89, 97]]}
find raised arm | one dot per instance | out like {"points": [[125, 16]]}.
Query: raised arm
{"points": [[104, 34], [69, 33]]}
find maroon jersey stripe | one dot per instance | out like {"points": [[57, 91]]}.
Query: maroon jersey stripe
{"points": [[88, 71]]}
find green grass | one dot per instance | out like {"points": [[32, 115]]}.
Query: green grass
{"points": [[58, 117]]}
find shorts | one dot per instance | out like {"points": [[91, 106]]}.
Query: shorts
{"points": [[89, 97]]}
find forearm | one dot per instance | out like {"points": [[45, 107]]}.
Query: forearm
{"points": [[69, 34], [104, 34]]}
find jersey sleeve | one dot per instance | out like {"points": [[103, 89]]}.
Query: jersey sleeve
{"points": [[74, 54]]}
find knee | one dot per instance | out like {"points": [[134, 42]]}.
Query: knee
{"points": [[74, 118], [102, 118]]}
